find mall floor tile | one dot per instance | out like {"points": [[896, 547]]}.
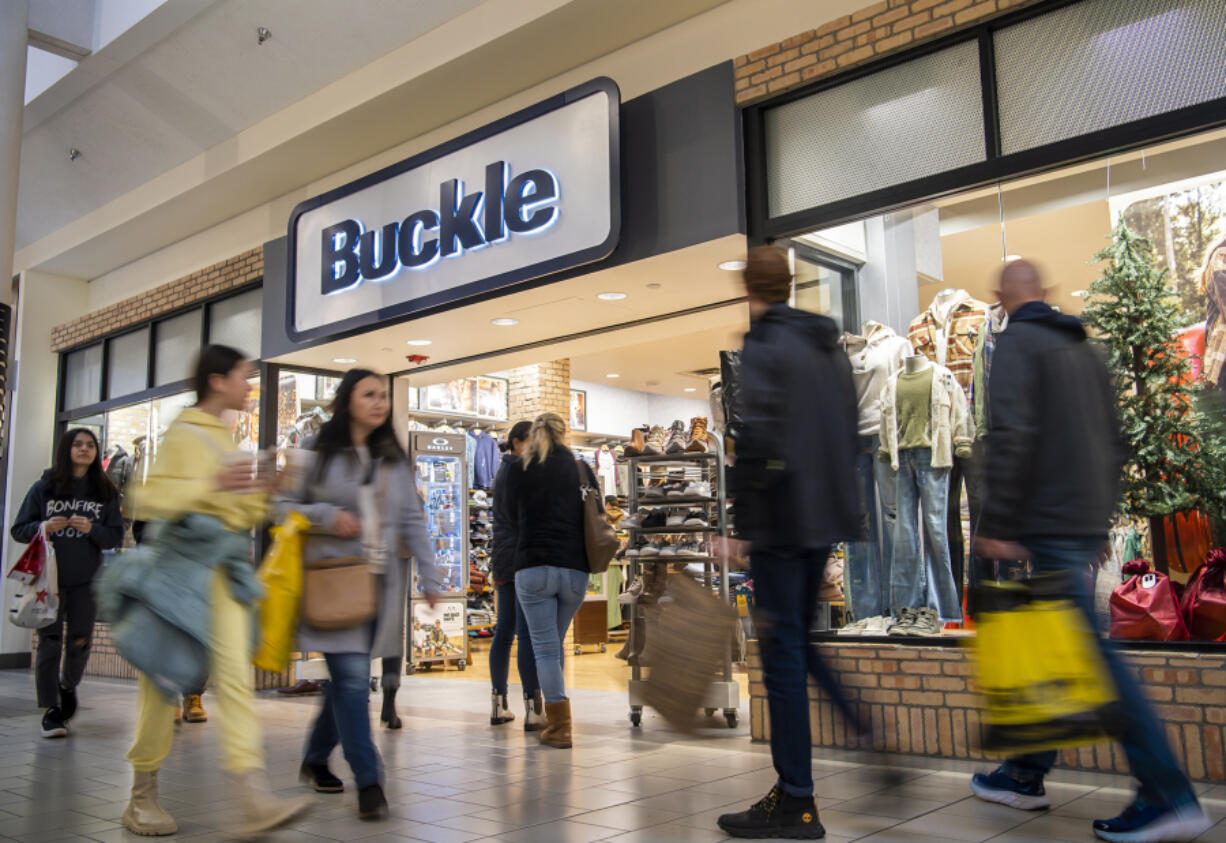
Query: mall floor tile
{"points": [[453, 778]]}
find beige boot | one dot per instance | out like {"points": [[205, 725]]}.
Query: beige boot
{"points": [[534, 712], [144, 816], [262, 811], [557, 732]]}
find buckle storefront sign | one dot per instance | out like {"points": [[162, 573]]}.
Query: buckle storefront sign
{"points": [[530, 195]]}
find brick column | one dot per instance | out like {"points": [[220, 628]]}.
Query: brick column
{"points": [[539, 389]]}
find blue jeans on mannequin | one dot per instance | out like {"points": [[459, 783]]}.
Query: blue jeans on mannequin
{"points": [[549, 597], [869, 562], [785, 597], [921, 575], [512, 624], [345, 718], [1162, 782]]}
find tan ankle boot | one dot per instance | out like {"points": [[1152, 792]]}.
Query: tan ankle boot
{"points": [[557, 731], [261, 811], [144, 816], [635, 448], [698, 435]]}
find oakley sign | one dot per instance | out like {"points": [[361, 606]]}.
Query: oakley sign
{"points": [[531, 195]]}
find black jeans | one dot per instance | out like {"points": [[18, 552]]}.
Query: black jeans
{"points": [[785, 597], [77, 612]]}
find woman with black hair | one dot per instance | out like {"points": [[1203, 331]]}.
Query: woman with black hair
{"points": [[361, 499], [79, 508]]}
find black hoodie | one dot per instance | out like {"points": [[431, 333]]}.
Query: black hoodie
{"points": [[794, 481], [77, 556], [1054, 447]]}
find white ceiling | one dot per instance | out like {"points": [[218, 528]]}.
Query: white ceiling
{"points": [[661, 351], [205, 82]]}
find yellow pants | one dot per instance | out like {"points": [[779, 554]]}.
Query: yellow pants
{"points": [[230, 669]]}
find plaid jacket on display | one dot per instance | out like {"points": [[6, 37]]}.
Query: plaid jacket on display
{"points": [[958, 336]]}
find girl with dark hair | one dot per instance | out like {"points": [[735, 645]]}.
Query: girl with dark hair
{"points": [[512, 623], [203, 498], [79, 508], [361, 499]]}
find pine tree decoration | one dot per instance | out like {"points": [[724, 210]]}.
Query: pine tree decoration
{"points": [[1135, 315]]}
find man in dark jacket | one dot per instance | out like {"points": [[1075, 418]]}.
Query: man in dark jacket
{"points": [[1054, 456], [795, 489]]}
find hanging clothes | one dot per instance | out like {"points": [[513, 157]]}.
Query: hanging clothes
{"points": [[874, 356], [945, 332], [606, 471]]}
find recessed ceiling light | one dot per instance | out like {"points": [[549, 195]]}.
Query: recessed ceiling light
{"points": [[732, 266], [504, 321], [613, 375], [654, 285], [344, 360], [691, 389], [1008, 258], [653, 383], [611, 296], [420, 342]]}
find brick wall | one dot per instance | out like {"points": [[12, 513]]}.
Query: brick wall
{"points": [[211, 281], [538, 389], [870, 33], [923, 700]]}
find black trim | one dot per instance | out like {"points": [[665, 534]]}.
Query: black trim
{"points": [[448, 298], [16, 661], [987, 83]]}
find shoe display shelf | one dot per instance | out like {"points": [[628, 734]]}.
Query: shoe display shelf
{"points": [[724, 692]]}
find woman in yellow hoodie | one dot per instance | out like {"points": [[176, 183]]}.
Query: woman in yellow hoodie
{"points": [[196, 473]]}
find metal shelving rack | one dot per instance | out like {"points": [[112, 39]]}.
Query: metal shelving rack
{"points": [[724, 692]]}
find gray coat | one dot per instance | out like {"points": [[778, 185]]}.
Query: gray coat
{"points": [[404, 533]]}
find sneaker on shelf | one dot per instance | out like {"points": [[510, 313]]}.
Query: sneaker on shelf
{"points": [[699, 437], [674, 490], [879, 625], [654, 492], [998, 786], [1141, 822], [906, 620], [855, 627], [701, 489], [926, 623], [677, 440], [689, 550], [696, 518], [633, 551], [654, 444], [635, 520], [655, 519], [675, 519], [668, 550], [651, 549]]}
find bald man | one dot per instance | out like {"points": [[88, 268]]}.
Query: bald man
{"points": [[1054, 457]]}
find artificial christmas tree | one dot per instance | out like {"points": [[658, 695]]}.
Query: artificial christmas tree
{"points": [[1135, 315]]}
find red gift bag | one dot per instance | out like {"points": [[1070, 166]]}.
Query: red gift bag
{"points": [[1145, 607], [33, 560], [1204, 598]]}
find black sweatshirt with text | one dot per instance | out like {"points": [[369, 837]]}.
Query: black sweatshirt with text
{"points": [[77, 555]]}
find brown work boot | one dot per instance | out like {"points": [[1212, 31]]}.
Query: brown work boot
{"points": [[193, 709], [144, 816], [698, 436], [635, 448], [656, 440], [260, 810], [557, 731]]}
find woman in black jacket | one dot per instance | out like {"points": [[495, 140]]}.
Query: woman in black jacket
{"points": [[79, 506], [544, 500], [512, 623]]}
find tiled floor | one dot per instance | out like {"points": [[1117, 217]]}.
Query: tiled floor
{"points": [[451, 777]]}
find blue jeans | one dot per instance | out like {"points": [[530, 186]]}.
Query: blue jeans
{"points": [[1142, 735], [550, 597], [921, 576], [345, 718], [512, 624], [785, 597], [869, 562]]}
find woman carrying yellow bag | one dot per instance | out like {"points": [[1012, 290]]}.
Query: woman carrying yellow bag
{"points": [[281, 577]]}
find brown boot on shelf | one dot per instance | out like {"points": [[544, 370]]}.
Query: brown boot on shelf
{"points": [[557, 731], [698, 436], [656, 440], [635, 448]]}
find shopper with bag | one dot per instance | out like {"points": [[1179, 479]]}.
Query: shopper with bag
{"points": [[544, 501], [1054, 456], [193, 574], [76, 506], [512, 622], [360, 497]]}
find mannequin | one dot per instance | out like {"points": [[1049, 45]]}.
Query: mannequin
{"points": [[874, 355], [916, 364]]}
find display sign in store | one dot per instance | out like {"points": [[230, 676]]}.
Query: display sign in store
{"points": [[530, 195]]}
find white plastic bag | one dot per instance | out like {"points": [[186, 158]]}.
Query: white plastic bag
{"points": [[35, 602]]}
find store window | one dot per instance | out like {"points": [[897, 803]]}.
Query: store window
{"points": [[127, 365], [177, 340], [303, 401], [83, 377], [822, 286], [236, 322]]}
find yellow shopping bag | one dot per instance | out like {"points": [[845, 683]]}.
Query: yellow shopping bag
{"points": [[1041, 670], [281, 577]]}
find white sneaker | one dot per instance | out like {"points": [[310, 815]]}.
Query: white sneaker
{"points": [[855, 628], [880, 625], [698, 490], [676, 520]]}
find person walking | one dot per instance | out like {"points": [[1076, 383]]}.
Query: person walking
{"points": [[361, 499], [207, 499], [512, 625], [796, 495], [544, 501], [78, 507], [1055, 453]]}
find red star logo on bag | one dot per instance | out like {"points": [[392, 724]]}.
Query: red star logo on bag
{"points": [[42, 596]]}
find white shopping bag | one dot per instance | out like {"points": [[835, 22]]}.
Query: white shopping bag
{"points": [[35, 602]]}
